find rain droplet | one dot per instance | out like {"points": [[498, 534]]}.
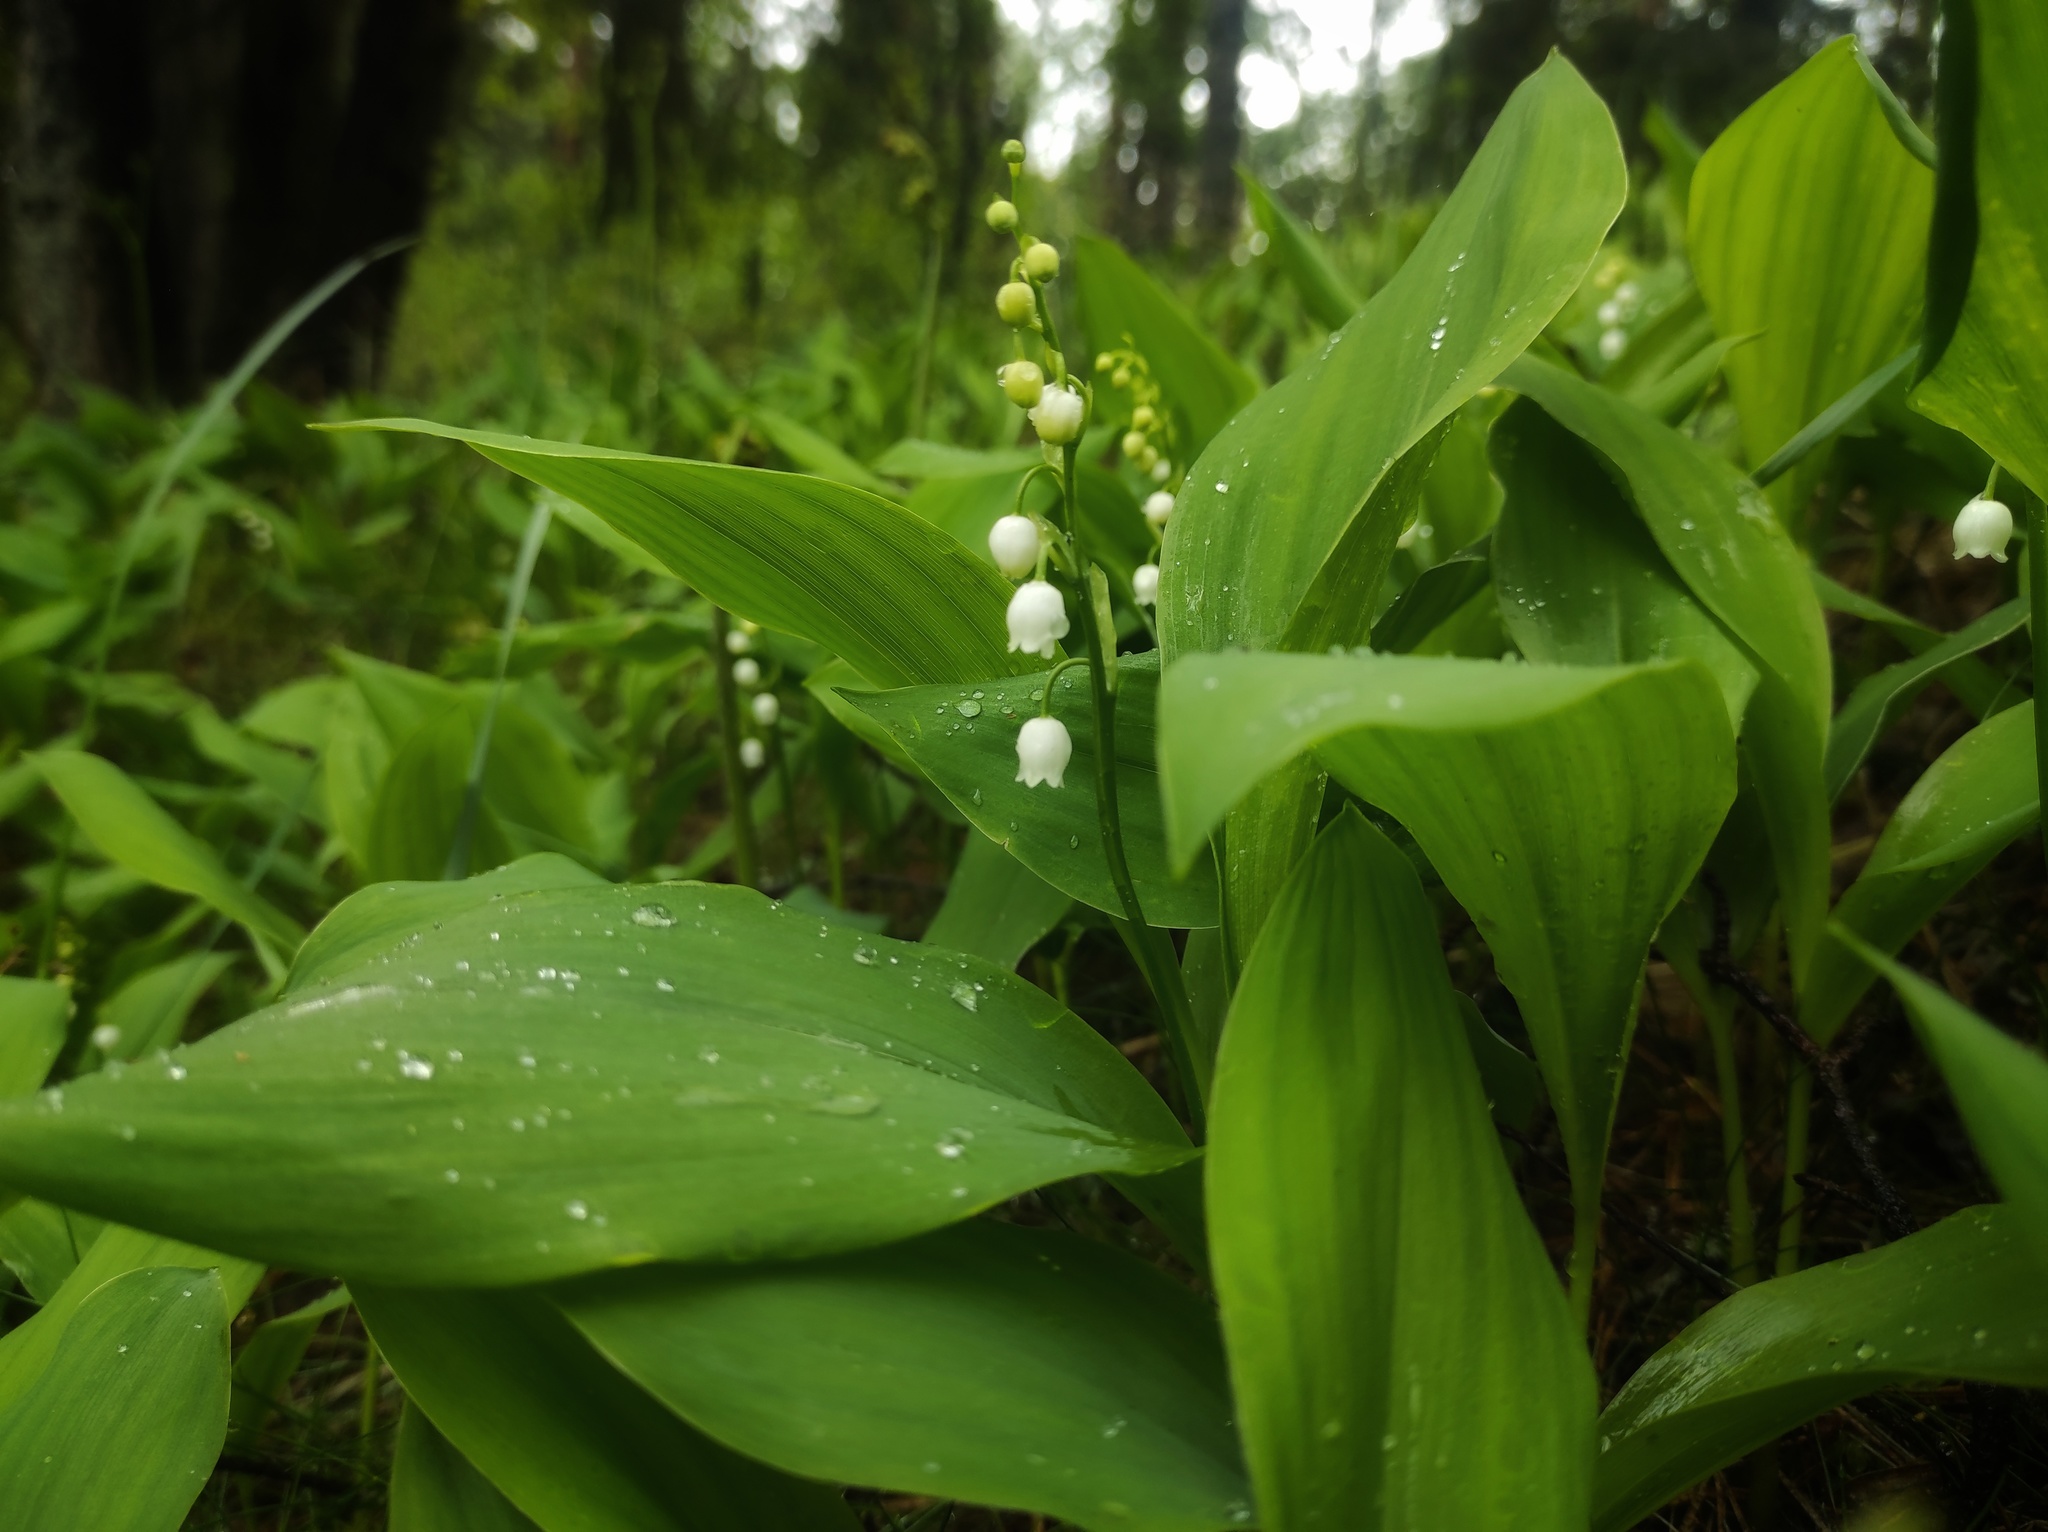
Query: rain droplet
{"points": [[577, 1209], [655, 917], [965, 997], [415, 1069], [1865, 1352], [864, 955], [968, 709]]}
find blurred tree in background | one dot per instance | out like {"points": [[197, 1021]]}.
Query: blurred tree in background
{"points": [[619, 189]]}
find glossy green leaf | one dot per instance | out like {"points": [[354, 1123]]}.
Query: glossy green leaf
{"points": [[1808, 229], [1980, 794], [1976, 685], [1116, 298], [266, 1363], [2001, 1090], [120, 1431], [963, 738], [150, 1010], [996, 907], [1580, 579], [41, 1244], [869, 580], [570, 1441], [542, 1083], [1986, 357], [1401, 1351], [814, 454], [1566, 808], [1960, 1300], [434, 1488], [33, 1014], [1735, 557], [1817, 431], [986, 1363], [126, 823], [1879, 698], [1253, 531], [1438, 592], [1329, 299]]}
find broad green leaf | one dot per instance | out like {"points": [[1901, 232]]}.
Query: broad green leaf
{"points": [[1401, 1352], [1565, 807], [121, 1430], [266, 1363], [963, 738], [1808, 230], [914, 459], [126, 823], [373, 921], [570, 1442], [554, 1081], [1437, 594], [869, 580], [1253, 530], [1980, 794], [986, 1363], [150, 1010], [1960, 1300], [33, 1014], [2001, 1090], [434, 1488], [419, 802], [41, 628], [1878, 698], [1985, 362], [1329, 299], [814, 454], [1976, 685], [996, 907], [1580, 579], [1117, 299], [41, 1244], [1735, 557]]}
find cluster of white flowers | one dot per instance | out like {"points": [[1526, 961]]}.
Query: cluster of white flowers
{"points": [[746, 674]]}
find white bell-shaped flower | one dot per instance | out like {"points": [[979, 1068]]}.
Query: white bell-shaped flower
{"points": [[746, 670], [1983, 528], [1013, 544], [752, 754], [1043, 749], [767, 708], [738, 641], [1037, 618], [1159, 508], [1145, 584], [1161, 471], [1057, 416]]}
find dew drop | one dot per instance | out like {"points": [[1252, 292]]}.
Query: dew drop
{"points": [[577, 1209], [656, 917], [965, 997]]}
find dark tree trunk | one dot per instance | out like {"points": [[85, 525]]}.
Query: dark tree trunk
{"points": [[1144, 178], [182, 170], [649, 111], [1222, 198]]}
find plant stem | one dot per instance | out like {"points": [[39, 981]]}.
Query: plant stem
{"points": [[1720, 1019], [1585, 1248], [1798, 1119], [739, 807], [835, 852], [2037, 609], [1152, 947], [779, 759], [366, 1418]]}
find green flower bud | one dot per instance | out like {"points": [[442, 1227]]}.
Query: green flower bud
{"points": [[1143, 418], [1134, 444], [1022, 383], [1121, 378], [1104, 361], [1013, 152], [1002, 214], [1016, 304], [1041, 263]]}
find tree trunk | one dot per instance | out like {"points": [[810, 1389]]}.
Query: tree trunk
{"points": [[1222, 198], [182, 170]]}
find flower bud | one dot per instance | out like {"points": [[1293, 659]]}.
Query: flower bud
{"points": [[1121, 378], [767, 708], [1983, 528], [746, 670], [1022, 383], [1057, 416], [1041, 262], [1144, 417], [1043, 749], [1148, 459], [752, 754], [1159, 508], [1134, 444], [1013, 152], [738, 641], [106, 1037], [1161, 471], [1104, 361], [1016, 304], [1037, 619], [1145, 584], [1002, 214], [1013, 544]]}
